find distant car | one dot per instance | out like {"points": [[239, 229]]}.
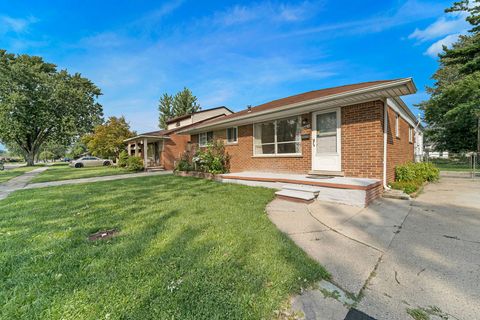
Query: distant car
{"points": [[90, 161], [66, 160]]}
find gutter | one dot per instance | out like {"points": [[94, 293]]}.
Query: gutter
{"points": [[385, 138]]}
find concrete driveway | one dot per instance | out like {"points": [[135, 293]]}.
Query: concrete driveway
{"points": [[397, 257]]}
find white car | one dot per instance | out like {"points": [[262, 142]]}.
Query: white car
{"points": [[89, 161]]}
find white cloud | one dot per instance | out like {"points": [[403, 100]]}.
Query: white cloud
{"points": [[437, 47], [411, 11], [17, 25], [266, 12], [104, 39], [443, 26]]}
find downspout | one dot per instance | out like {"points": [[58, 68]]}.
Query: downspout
{"points": [[385, 131]]}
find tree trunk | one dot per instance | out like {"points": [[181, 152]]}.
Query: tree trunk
{"points": [[30, 157]]}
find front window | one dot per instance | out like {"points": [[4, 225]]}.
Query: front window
{"points": [[232, 135], [204, 138], [280, 137]]}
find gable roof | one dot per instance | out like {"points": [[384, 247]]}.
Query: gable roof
{"points": [[402, 87], [185, 116], [165, 133]]}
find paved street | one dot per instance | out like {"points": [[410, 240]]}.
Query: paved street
{"points": [[401, 255]]}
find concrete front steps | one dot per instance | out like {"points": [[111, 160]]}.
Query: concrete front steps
{"points": [[298, 193]]}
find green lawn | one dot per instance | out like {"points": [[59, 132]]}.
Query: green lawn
{"points": [[454, 167], [6, 175], [62, 172], [187, 249]]}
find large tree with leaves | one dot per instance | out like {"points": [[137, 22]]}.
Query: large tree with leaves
{"points": [[39, 103], [453, 110], [184, 102], [107, 140]]}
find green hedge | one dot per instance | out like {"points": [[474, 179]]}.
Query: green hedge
{"points": [[419, 171], [122, 159], [135, 163], [410, 176]]}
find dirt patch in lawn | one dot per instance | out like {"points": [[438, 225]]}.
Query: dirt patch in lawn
{"points": [[103, 234]]}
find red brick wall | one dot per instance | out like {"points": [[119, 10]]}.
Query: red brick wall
{"points": [[362, 145], [173, 149], [399, 149], [362, 140], [242, 158]]}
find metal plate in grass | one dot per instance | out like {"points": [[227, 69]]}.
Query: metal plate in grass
{"points": [[103, 234]]}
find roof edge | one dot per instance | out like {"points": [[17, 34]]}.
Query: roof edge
{"points": [[397, 82]]}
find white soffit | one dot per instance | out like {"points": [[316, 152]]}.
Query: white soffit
{"points": [[391, 89]]}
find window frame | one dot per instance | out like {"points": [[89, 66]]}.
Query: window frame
{"points": [[275, 143], [206, 139], [410, 134], [397, 125], [236, 135]]}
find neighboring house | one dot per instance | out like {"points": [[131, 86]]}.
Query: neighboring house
{"points": [[419, 149], [160, 149], [432, 152], [361, 130]]}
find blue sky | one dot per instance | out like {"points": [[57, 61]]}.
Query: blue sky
{"points": [[229, 53]]}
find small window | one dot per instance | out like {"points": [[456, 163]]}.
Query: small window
{"points": [[178, 124], [204, 138], [410, 134], [397, 126], [232, 135]]}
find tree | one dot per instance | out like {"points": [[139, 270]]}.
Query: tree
{"points": [[183, 103], [77, 149], [52, 150], [107, 140], [454, 106], [38, 103], [165, 107]]}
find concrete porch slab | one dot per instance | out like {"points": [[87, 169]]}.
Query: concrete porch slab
{"points": [[344, 190], [333, 182]]}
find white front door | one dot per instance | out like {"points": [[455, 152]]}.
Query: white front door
{"points": [[326, 140]]}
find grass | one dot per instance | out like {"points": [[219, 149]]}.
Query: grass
{"points": [[187, 249], [62, 172], [454, 167], [6, 175]]}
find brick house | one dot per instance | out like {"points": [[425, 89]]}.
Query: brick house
{"points": [[160, 149], [361, 130]]}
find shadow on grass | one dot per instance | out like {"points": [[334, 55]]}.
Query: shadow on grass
{"points": [[187, 248]]}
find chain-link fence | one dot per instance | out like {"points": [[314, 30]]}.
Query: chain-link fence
{"points": [[466, 164]]}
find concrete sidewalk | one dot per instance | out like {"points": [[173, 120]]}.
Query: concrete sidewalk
{"points": [[400, 255], [348, 241], [18, 182], [95, 179]]}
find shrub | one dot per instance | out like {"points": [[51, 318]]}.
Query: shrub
{"points": [[184, 164], [420, 171], [407, 186], [410, 176], [212, 159], [122, 159], [134, 163]]}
